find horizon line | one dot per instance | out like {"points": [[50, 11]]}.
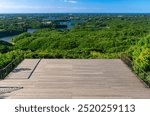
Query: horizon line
{"points": [[79, 13]]}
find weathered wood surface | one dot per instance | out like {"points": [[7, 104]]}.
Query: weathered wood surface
{"points": [[71, 79]]}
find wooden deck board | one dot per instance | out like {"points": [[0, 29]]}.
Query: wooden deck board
{"points": [[75, 79]]}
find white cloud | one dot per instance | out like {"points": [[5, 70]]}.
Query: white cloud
{"points": [[71, 1], [10, 6]]}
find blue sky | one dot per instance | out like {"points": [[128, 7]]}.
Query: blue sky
{"points": [[74, 6]]}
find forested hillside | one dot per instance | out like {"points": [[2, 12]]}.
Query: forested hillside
{"points": [[100, 36], [5, 47]]}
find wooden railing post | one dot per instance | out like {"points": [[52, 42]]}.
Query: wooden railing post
{"points": [[0, 74], [138, 71], [144, 76]]}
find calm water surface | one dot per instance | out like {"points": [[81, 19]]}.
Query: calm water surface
{"points": [[68, 23], [9, 38]]}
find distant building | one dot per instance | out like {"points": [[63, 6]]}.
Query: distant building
{"points": [[20, 18], [47, 22], [120, 16]]}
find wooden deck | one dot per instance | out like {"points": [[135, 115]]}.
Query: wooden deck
{"points": [[73, 79]]}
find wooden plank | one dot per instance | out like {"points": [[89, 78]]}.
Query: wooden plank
{"points": [[69, 79]]}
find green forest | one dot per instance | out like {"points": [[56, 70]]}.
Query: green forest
{"points": [[100, 36]]}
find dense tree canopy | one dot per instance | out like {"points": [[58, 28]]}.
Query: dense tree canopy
{"points": [[96, 36]]}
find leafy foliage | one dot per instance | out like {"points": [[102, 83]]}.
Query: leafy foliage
{"points": [[99, 36], [6, 58], [5, 47], [141, 53]]}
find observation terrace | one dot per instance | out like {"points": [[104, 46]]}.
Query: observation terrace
{"points": [[72, 79]]}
